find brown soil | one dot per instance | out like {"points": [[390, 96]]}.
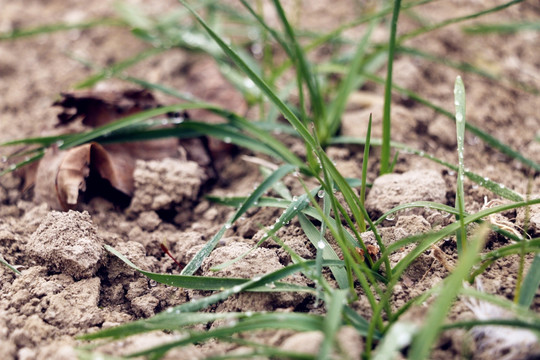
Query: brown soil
{"points": [[70, 285]]}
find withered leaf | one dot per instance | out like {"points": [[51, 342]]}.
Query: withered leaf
{"points": [[97, 108], [62, 176]]}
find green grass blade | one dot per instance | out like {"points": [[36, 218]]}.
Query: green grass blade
{"points": [[348, 84], [305, 72], [455, 20], [327, 253], [386, 125], [11, 267], [290, 321], [502, 28], [117, 68], [365, 161], [197, 260], [425, 339], [206, 282], [530, 284], [459, 99], [332, 321], [494, 187], [487, 138], [50, 28], [285, 110], [399, 336]]}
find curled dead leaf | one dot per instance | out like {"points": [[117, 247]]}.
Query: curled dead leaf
{"points": [[62, 176]]}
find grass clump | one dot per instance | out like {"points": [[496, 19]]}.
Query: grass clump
{"points": [[315, 120]]}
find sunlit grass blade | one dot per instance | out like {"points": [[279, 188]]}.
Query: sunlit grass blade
{"points": [[50, 28], [425, 339], [459, 99], [386, 125], [206, 282], [197, 260], [11, 267], [531, 283]]}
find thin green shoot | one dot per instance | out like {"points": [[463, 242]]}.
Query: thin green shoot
{"points": [[11, 267], [365, 161], [386, 137], [459, 99]]}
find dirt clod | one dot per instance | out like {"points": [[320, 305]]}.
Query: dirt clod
{"points": [[67, 243]]}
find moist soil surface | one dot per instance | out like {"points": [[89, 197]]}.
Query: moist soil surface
{"points": [[70, 285]]}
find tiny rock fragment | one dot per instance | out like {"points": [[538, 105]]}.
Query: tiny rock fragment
{"points": [[67, 243]]}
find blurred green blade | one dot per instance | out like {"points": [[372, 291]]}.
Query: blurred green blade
{"points": [[502, 28], [289, 321], [286, 111], [332, 322], [49, 28], [426, 337], [530, 284]]}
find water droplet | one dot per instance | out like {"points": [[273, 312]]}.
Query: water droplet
{"points": [[475, 187], [271, 285], [295, 198], [296, 173], [152, 283], [256, 203], [445, 214], [451, 173], [321, 245], [391, 217], [61, 142], [228, 226], [249, 313], [164, 121], [169, 310], [177, 119], [227, 140], [502, 186], [486, 179], [12, 167], [257, 278], [459, 117], [237, 288], [4, 159], [320, 194]]}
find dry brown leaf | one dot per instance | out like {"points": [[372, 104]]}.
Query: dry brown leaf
{"points": [[93, 169]]}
